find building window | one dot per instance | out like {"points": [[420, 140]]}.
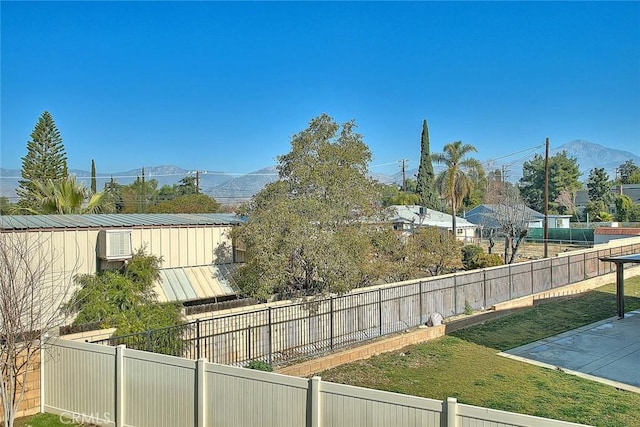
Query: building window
{"points": [[239, 251]]}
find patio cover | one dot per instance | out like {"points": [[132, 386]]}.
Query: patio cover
{"points": [[181, 284], [620, 261]]}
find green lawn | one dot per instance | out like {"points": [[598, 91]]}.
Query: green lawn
{"points": [[465, 365], [44, 420]]}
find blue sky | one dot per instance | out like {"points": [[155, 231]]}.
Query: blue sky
{"points": [[223, 86]]}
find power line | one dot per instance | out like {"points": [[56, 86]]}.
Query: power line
{"points": [[108, 176], [383, 164], [517, 152]]}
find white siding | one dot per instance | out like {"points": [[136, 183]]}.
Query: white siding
{"points": [[65, 253]]}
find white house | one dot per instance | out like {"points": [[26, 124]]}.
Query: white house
{"points": [[407, 218]]}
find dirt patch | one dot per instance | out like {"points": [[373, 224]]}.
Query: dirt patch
{"points": [[530, 250]]}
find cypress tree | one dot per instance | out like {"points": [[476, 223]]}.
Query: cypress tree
{"points": [[94, 185], [425, 187], [45, 159]]}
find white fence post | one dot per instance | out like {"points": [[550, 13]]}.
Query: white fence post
{"points": [[314, 385], [452, 412], [120, 385], [200, 393], [42, 368]]}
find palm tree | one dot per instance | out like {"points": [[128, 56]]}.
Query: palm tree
{"points": [[455, 182], [67, 196]]}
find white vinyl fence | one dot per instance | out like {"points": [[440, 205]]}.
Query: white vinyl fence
{"points": [[117, 386]]}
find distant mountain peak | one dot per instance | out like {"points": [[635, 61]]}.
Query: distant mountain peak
{"points": [[590, 155]]}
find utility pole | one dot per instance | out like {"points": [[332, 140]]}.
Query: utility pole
{"points": [[546, 198], [142, 202], [197, 176], [404, 177], [504, 177]]}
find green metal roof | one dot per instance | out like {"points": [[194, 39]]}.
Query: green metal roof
{"points": [[28, 222], [194, 283]]}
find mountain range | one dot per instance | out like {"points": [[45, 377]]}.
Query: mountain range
{"points": [[230, 189], [590, 155]]}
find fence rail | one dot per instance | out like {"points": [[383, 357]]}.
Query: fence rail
{"points": [[282, 334]]}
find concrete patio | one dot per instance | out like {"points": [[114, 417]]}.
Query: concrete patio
{"points": [[607, 351]]}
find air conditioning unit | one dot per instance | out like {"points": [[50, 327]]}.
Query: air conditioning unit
{"points": [[114, 245]]}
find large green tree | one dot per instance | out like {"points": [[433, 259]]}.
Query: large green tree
{"points": [[626, 210], [305, 233], [192, 203], [140, 195], [45, 159], [564, 175], [426, 178], [599, 186], [113, 194], [478, 192], [456, 181], [596, 210], [392, 195], [629, 173], [187, 186]]}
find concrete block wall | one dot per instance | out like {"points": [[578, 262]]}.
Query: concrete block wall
{"points": [[31, 401], [391, 343], [94, 335]]}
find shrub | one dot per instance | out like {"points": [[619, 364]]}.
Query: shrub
{"points": [[126, 300], [474, 257], [259, 365], [469, 252], [467, 308], [487, 260]]}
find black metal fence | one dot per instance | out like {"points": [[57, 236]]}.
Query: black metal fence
{"points": [[293, 331]]}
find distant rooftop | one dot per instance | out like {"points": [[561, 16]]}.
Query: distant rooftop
{"points": [[414, 214], [615, 231], [27, 222]]}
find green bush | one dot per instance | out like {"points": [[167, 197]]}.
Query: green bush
{"points": [[474, 257], [126, 300], [467, 308], [259, 365], [469, 253], [487, 260]]}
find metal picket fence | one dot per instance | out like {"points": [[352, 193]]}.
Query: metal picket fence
{"points": [[286, 333]]}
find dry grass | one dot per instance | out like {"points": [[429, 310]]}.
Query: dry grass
{"points": [[531, 250]]}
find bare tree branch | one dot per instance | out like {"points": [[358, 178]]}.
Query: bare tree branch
{"points": [[509, 218], [31, 294]]}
